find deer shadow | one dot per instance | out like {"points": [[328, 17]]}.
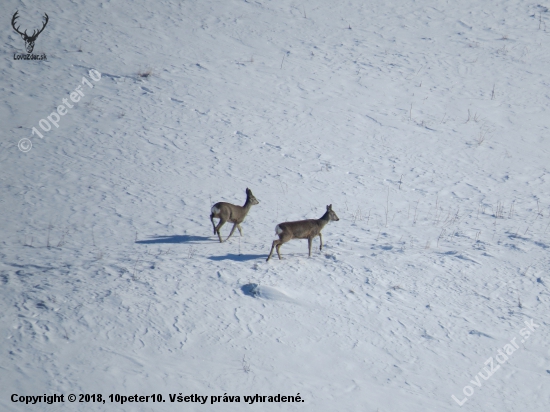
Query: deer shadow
{"points": [[237, 258], [174, 239]]}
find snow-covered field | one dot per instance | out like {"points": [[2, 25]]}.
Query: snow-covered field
{"points": [[425, 125]]}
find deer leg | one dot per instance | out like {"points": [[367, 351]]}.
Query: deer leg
{"points": [[321, 240], [240, 229], [278, 251], [309, 242], [212, 220], [271, 251], [283, 238], [232, 230], [220, 224]]}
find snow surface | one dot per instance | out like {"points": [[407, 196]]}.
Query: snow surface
{"points": [[425, 125]]}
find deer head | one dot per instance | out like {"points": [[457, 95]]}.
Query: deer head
{"points": [[250, 197], [29, 40], [331, 214]]}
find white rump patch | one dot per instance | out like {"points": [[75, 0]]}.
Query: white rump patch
{"points": [[215, 210], [278, 230]]}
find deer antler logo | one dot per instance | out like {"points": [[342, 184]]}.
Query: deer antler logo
{"points": [[29, 40]]}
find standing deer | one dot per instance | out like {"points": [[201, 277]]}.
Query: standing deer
{"points": [[302, 229], [29, 40], [227, 212]]}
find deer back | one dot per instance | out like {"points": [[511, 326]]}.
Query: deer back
{"points": [[230, 211], [300, 229]]}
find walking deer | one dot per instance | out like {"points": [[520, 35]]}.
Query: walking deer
{"points": [[227, 212], [302, 229]]}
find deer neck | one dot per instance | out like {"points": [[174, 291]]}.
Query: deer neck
{"points": [[324, 220], [247, 205]]}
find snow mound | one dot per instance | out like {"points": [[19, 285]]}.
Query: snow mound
{"points": [[266, 292]]}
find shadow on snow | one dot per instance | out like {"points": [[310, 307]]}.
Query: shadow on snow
{"points": [[238, 258], [174, 239]]}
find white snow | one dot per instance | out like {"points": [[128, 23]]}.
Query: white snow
{"points": [[425, 125]]}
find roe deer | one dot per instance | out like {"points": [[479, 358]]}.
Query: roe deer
{"points": [[302, 229], [227, 212]]}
